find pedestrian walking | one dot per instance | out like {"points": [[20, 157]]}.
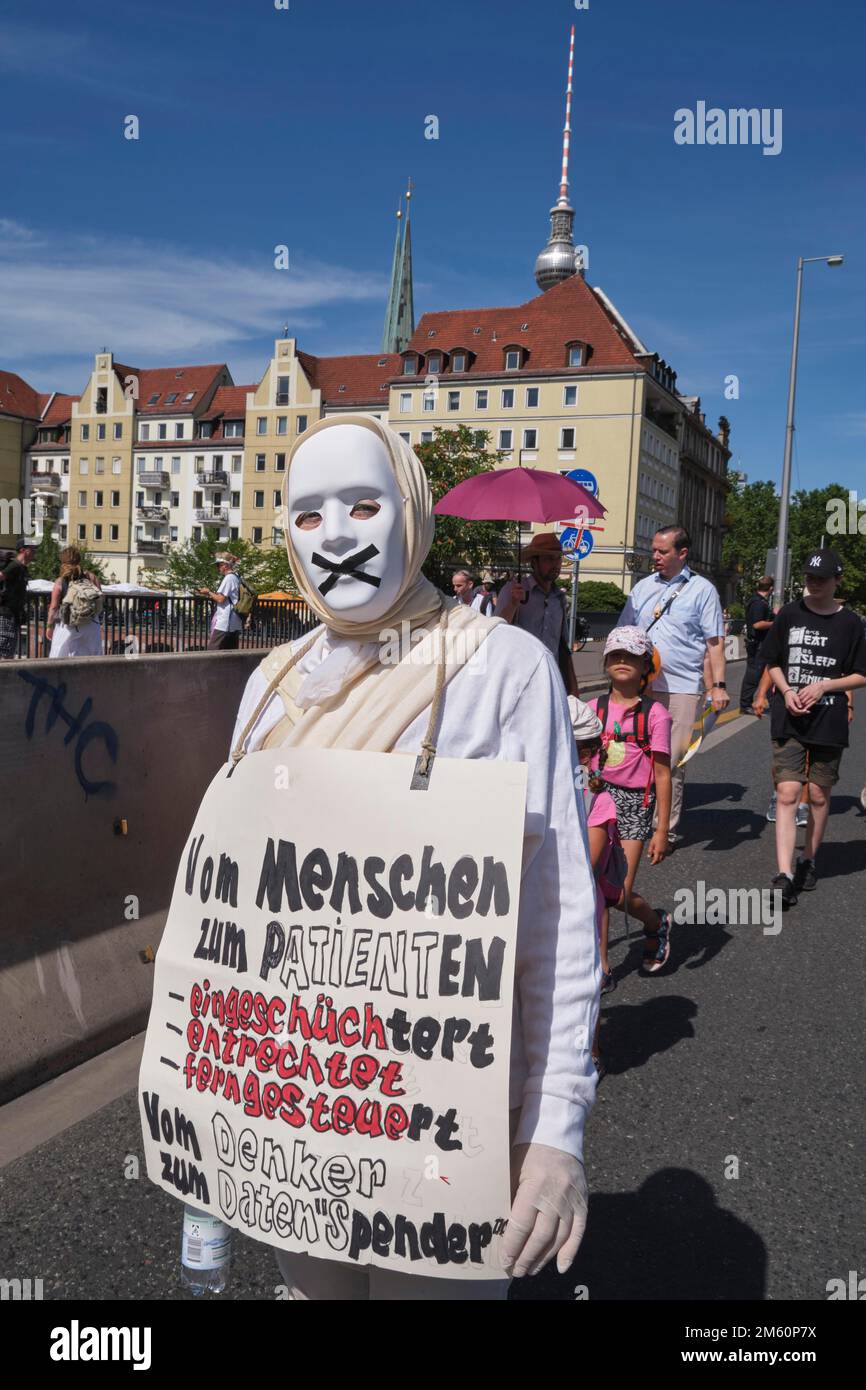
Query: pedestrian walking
{"points": [[475, 598], [759, 620], [537, 604], [635, 767], [226, 623], [14, 578], [815, 654], [683, 612], [73, 626]]}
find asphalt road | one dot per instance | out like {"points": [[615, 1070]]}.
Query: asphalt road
{"points": [[744, 1055]]}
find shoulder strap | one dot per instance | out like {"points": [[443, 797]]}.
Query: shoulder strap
{"points": [[675, 595], [602, 705]]}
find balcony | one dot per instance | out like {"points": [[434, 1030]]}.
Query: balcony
{"points": [[212, 515], [154, 479], [153, 513], [45, 482], [219, 479], [151, 547]]}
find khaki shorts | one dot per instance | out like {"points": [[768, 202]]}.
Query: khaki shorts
{"points": [[789, 762]]}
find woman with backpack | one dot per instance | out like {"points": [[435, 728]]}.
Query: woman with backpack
{"points": [[73, 627], [635, 767], [227, 622]]}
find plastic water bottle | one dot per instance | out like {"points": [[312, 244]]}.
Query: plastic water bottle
{"points": [[206, 1252]]}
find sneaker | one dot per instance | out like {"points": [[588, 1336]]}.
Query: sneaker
{"points": [[674, 838], [803, 815], [653, 964], [785, 884], [608, 983], [805, 878], [771, 809]]}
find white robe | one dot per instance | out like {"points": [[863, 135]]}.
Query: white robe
{"points": [[508, 702]]}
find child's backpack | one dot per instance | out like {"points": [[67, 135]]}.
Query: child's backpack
{"points": [[246, 600], [639, 733], [82, 603]]}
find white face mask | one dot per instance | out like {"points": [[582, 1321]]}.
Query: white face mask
{"points": [[345, 497]]}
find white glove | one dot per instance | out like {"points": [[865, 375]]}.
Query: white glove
{"points": [[548, 1213]]}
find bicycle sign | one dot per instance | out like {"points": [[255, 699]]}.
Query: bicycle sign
{"points": [[576, 542]]}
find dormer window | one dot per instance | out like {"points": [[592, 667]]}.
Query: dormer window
{"points": [[410, 366], [383, 361], [431, 333], [477, 332], [434, 363], [512, 360], [342, 389], [524, 328], [459, 361], [576, 354], [171, 398]]}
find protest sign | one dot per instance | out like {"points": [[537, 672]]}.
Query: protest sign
{"points": [[327, 1056]]}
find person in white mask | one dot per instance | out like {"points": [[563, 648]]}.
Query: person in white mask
{"points": [[358, 524]]}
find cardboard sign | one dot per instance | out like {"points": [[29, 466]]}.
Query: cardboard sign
{"points": [[327, 1057]]}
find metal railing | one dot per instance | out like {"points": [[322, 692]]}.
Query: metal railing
{"points": [[212, 514], [153, 513], [153, 479], [216, 479], [169, 623]]}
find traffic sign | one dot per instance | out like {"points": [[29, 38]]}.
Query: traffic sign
{"points": [[586, 480], [575, 543]]}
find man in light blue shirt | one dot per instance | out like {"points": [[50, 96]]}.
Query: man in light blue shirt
{"points": [[682, 613]]}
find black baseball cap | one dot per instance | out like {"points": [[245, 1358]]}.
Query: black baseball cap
{"points": [[823, 564]]}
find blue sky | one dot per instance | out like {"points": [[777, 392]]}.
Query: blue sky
{"points": [[260, 127]]}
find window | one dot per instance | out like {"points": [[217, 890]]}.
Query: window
{"points": [[116, 465], [569, 395], [458, 362], [83, 466], [233, 429], [508, 398], [280, 463], [407, 436], [139, 499], [100, 431], [257, 535], [506, 438], [261, 425], [566, 439], [282, 424], [410, 366], [101, 400], [113, 533], [85, 432], [175, 463], [97, 532], [196, 533], [115, 499], [405, 402], [172, 531], [139, 532], [171, 397], [154, 398], [260, 463], [236, 499], [258, 499], [117, 432], [480, 400], [205, 429], [453, 400], [278, 498], [144, 432], [426, 436], [282, 390], [162, 431], [178, 431], [82, 499], [98, 498], [429, 401], [512, 360], [575, 355], [99, 465], [277, 535], [480, 437], [233, 533], [237, 462], [175, 499], [189, 395], [531, 397], [434, 364], [66, 466], [302, 423], [530, 439], [63, 533], [218, 463], [82, 532], [198, 499]]}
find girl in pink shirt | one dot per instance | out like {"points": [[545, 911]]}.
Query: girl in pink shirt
{"points": [[635, 768]]}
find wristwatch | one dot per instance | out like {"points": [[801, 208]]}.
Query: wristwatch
{"points": [[719, 685]]}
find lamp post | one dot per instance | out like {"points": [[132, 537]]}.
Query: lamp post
{"points": [[782, 538]]}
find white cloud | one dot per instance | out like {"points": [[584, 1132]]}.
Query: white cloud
{"points": [[149, 304]]}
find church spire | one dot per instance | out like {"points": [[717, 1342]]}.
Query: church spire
{"points": [[558, 260], [400, 314]]}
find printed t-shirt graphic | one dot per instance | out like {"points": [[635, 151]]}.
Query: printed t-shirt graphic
{"points": [[812, 647]]}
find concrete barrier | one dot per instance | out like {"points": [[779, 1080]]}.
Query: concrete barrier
{"points": [[84, 745]]}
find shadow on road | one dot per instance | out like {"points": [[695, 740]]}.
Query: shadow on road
{"points": [[669, 1240], [693, 945], [633, 1033]]}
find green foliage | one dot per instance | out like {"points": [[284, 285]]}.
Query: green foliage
{"points": [[192, 566], [737, 610], [450, 458], [809, 523], [46, 561], [753, 516], [594, 596]]}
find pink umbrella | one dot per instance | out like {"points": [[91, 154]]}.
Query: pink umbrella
{"points": [[519, 494]]}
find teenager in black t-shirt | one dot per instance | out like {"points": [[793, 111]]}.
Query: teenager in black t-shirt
{"points": [[815, 652]]}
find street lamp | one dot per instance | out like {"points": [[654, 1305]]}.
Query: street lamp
{"points": [[782, 538]]}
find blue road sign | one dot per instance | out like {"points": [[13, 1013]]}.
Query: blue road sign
{"points": [[586, 480], [568, 540]]}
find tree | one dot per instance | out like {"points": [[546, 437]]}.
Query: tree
{"points": [[809, 525], [452, 456], [753, 521], [594, 596], [192, 566], [46, 561]]}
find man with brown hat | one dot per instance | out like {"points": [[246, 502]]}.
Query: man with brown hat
{"points": [[538, 606]]}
